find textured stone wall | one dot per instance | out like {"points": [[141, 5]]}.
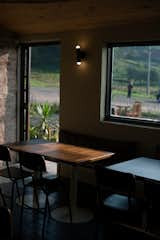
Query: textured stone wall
{"points": [[8, 57]]}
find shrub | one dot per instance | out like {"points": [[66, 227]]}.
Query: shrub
{"points": [[43, 127]]}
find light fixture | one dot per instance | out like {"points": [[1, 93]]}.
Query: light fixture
{"points": [[80, 55]]}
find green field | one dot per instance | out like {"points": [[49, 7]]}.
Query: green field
{"points": [[138, 93], [44, 79]]}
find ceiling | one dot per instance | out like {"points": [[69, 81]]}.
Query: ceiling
{"points": [[46, 17]]}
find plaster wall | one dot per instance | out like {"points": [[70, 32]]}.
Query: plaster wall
{"points": [[81, 85], [80, 92]]}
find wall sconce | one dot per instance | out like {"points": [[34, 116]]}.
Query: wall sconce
{"points": [[80, 55]]}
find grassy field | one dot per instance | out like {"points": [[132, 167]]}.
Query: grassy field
{"points": [[44, 79], [138, 92]]}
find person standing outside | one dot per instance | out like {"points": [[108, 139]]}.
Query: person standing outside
{"points": [[130, 87]]}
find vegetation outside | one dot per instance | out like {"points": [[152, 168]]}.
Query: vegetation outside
{"points": [[43, 79], [44, 122], [45, 73], [139, 65]]}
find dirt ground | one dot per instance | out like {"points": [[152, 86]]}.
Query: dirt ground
{"points": [[42, 95], [52, 95]]}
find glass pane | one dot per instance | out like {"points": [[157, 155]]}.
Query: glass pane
{"points": [[135, 82]]}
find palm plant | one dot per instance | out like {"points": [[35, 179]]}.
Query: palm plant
{"points": [[44, 111], [44, 129]]}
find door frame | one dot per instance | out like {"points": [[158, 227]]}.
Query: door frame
{"points": [[24, 63]]}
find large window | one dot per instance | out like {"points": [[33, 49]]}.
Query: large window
{"points": [[133, 83]]}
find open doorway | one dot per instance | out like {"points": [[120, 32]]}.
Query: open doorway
{"points": [[40, 93], [44, 92]]}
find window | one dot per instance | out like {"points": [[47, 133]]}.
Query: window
{"points": [[133, 83]]}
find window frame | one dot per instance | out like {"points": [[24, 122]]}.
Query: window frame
{"points": [[108, 79]]}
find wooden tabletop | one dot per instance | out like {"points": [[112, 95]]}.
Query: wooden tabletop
{"points": [[141, 167], [62, 152]]}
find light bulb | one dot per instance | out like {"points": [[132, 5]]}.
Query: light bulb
{"points": [[78, 47]]}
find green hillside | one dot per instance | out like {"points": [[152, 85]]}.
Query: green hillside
{"points": [[132, 63], [129, 63], [46, 58], [45, 66]]}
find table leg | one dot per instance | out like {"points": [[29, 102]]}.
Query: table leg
{"points": [[78, 214]]}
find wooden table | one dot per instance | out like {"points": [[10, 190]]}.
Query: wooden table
{"points": [[70, 154]]}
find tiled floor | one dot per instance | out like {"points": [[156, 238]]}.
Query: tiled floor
{"points": [[31, 227]]}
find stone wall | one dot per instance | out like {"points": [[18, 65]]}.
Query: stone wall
{"points": [[8, 86]]}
